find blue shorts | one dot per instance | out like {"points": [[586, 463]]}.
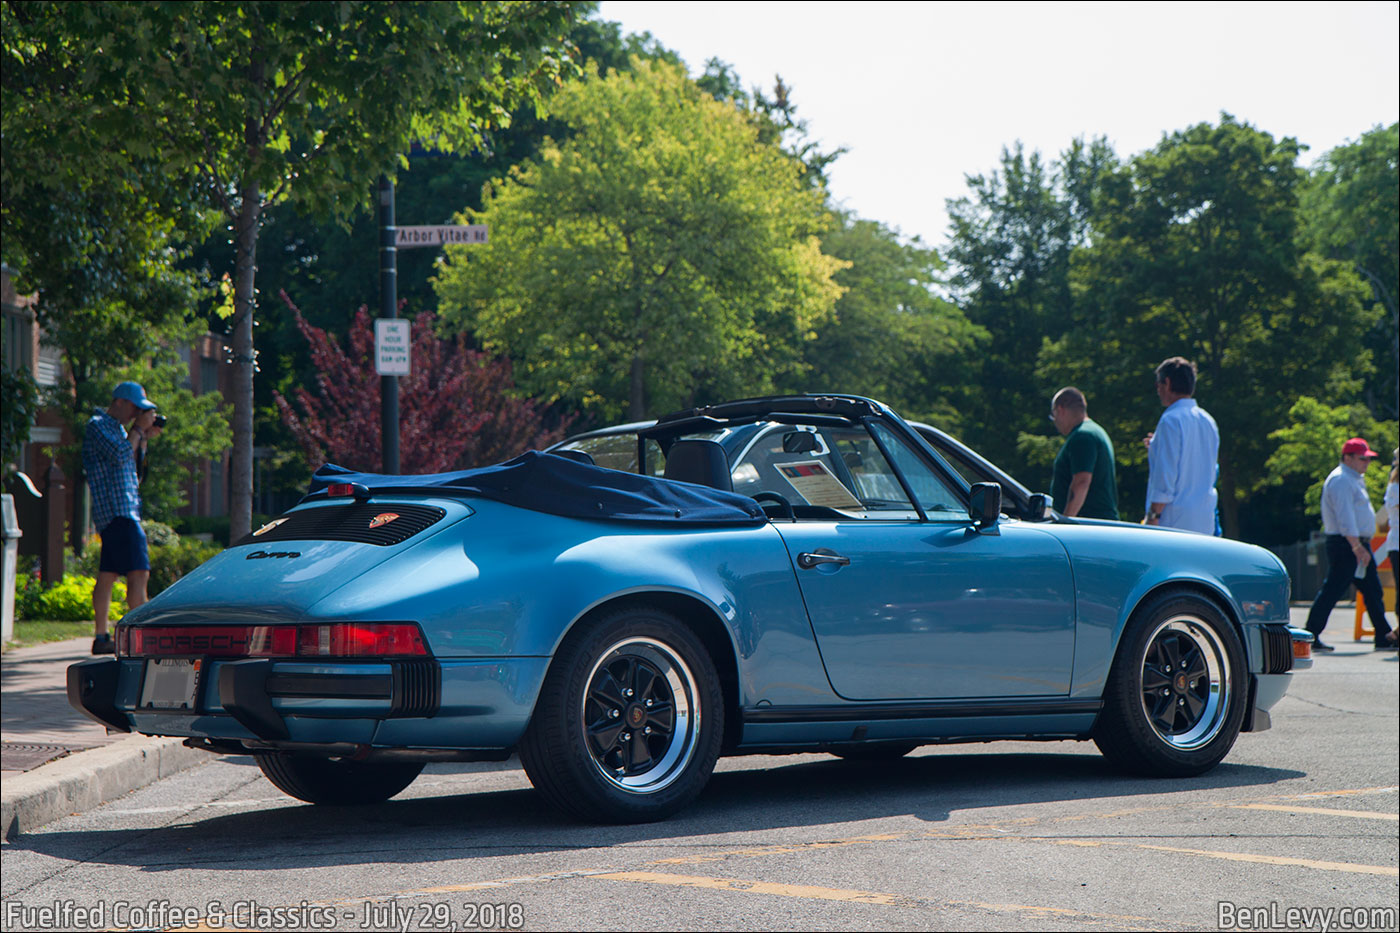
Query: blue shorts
{"points": [[123, 547]]}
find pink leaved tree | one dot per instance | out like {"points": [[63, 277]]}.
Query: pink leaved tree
{"points": [[457, 410]]}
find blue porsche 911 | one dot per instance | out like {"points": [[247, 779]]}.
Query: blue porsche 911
{"points": [[777, 575]]}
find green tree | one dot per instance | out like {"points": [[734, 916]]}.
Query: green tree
{"points": [[659, 256], [775, 118], [253, 103], [1351, 209], [94, 230], [21, 403], [892, 337], [1195, 251], [1310, 446], [1010, 243]]}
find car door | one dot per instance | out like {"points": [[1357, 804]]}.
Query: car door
{"points": [[911, 607]]}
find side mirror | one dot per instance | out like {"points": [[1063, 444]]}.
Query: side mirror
{"points": [[800, 442], [1038, 505], [984, 507]]}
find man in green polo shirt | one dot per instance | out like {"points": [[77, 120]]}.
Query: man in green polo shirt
{"points": [[1085, 483]]}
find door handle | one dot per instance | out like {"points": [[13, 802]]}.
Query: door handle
{"points": [[809, 559]]}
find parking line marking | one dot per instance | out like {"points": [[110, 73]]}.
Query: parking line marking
{"points": [[1389, 788], [1283, 860], [1228, 856], [778, 849], [764, 887], [1359, 814], [848, 895]]}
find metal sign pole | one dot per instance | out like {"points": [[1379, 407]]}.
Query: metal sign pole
{"points": [[389, 308]]}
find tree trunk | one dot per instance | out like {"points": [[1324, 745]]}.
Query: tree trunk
{"points": [[245, 269], [244, 360]]}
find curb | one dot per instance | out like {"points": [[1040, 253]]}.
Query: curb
{"points": [[89, 779]]}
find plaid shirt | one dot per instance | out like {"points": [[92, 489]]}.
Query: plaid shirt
{"points": [[111, 471]]}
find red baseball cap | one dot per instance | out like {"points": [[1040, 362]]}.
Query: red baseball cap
{"points": [[1357, 446]]}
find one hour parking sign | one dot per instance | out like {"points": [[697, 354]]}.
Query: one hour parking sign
{"points": [[391, 347]]}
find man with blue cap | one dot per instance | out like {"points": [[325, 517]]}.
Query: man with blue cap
{"points": [[110, 463]]}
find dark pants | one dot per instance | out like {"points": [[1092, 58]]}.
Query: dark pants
{"points": [[1395, 577], [1341, 570]]}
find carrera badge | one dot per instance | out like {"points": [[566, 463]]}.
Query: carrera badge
{"points": [[382, 519], [268, 527]]}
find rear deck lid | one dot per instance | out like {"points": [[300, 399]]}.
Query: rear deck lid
{"points": [[289, 564]]}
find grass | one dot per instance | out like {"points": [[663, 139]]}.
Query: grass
{"points": [[37, 631]]}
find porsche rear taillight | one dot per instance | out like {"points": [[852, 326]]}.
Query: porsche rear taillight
{"points": [[336, 640], [362, 640], [212, 641]]}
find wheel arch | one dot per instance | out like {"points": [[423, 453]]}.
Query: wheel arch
{"points": [[1124, 727], [703, 620], [1212, 594]]}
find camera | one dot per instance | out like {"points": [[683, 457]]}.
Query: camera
{"points": [[159, 422]]}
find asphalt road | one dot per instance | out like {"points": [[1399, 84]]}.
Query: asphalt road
{"points": [[1007, 836]]}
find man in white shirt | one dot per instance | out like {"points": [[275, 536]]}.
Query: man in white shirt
{"points": [[1182, 454], [1349, 521]]}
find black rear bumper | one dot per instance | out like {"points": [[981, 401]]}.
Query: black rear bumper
{"points": [[92, 691], [247, 688]]}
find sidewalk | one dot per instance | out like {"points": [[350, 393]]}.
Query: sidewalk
{"points": [[53, 759]]}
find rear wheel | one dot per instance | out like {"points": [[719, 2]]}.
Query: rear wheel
{"points": [[330, 781], [629, 721], [1175, 698]]}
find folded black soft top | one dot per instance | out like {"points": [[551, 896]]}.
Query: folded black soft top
{"points": [[545, 482]]}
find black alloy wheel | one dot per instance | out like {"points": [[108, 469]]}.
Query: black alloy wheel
{"points": [[629, 722], [1175, 697]]}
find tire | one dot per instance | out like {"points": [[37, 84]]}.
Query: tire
{"points": [[874, 752], [635, 674], [1175, 697], [327, 781]]}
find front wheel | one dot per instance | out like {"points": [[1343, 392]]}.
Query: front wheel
{"points": [[330, 781], [1175, 698], [629, 720]]}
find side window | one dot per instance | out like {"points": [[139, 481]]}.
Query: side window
{"points": [[938, 499], [613, 451], [821, 469], [655, 458], [873, 479]]}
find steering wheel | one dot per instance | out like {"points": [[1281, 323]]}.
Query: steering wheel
{"points": [[775, 497]]}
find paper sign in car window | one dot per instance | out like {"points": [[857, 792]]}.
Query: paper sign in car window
{"points": [[814, 482]]}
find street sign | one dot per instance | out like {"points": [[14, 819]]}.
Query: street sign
{"points": [[391, 347], [440, 235]]}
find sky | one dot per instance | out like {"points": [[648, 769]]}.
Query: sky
{"points": [[924, 94]]}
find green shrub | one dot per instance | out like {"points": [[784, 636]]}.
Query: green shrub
{"points": [[172, 561], [69, 600], [28, 589], [159, 534]]}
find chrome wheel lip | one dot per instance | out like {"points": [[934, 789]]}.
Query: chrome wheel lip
{"points": [[1215, 697], [685, 694]]}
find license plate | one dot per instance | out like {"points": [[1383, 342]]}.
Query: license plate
{"points": [[171, 683]]}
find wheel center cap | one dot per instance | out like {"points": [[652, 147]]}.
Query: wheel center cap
{"points": [[1180, 683], [636, 715]]}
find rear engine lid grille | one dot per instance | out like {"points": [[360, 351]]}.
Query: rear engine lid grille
{"points": [[363, 522]]}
